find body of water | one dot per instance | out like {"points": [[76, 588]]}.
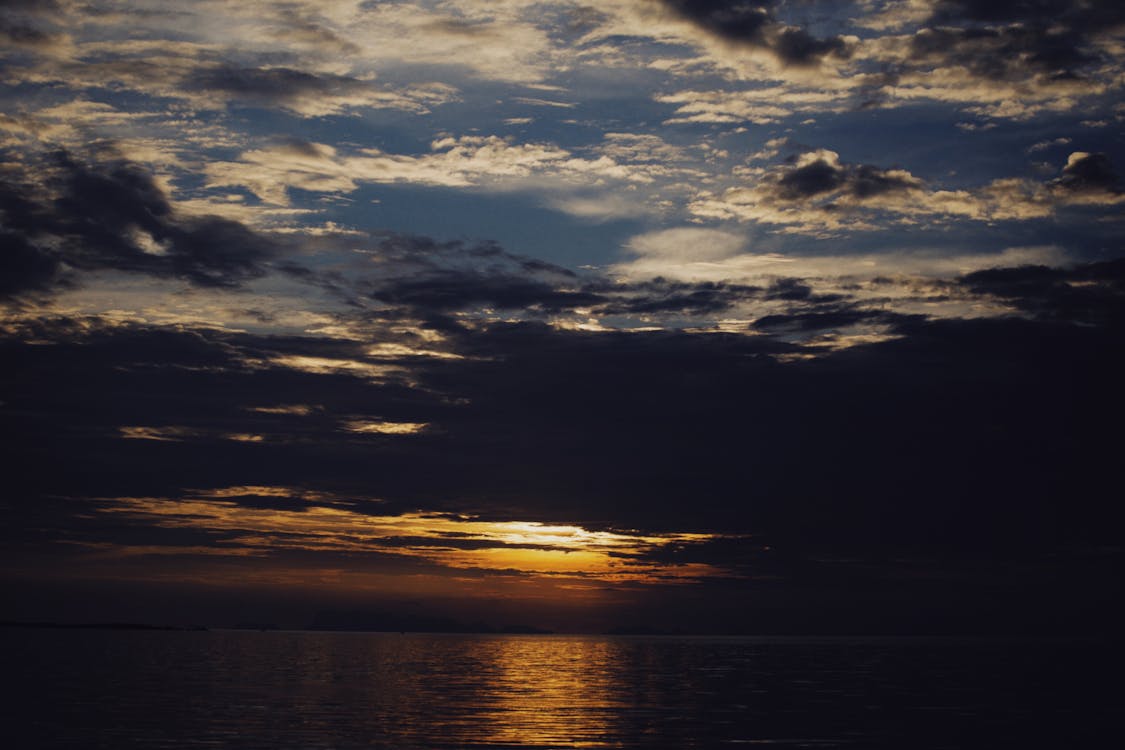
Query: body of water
{"points": [[220, 689]]}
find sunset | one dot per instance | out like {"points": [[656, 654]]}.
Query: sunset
{"points": [[664, 319]]}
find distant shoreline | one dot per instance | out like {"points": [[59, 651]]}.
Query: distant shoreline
{"points": [[46, 625], [795, 637]]}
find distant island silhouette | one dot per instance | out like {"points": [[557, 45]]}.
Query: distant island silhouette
{"points": [[96, 625], [391, 622]]}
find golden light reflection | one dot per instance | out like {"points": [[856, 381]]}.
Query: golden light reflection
{"points": [[330, 366], [543, 692], [259, 490], [390, 350], [384, 428], [243, 437], [174, 434], [296, 410], [579, 558], [167, 434]]}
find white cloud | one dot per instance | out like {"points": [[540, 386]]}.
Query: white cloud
{"points": [[598, 187], [758, 105], [686, 245], [1044, 145], [674, 255]]}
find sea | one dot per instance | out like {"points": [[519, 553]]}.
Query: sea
{"points": [[77, 688]]}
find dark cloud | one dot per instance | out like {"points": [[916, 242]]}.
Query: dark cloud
{"points": [[23, 266], [1089, 173], [976, 447], [825, 320], [453, 290], [437, 278], [425, 253], [301, 147], [21, 34], [111, 214], [26, 265], [789, 289], [28, 24], [754, 25], [304, 30], [744, 554], [1090, 14], [824, 175], [103, 206], [1007, 54], [1091, 294], [433, 279], [31, 6], [663, 296], [866, 181], [735, 21], [205, 386], [930, 441], [1007, 40], [835, 193], [810, 179], [271, 86], [798, 47], [967, 443]]}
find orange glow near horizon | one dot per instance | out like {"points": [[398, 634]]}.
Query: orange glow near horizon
{"points": [[573, 557]]}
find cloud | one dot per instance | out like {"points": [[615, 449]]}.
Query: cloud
{"points": [[819, 194], [308, 94], [112, 214], [25, 35], [1044, 145], [687, 244], [269, 521], [452, 163], [598, 207], [501, 41], [211, 56], [656, 297], [829, 427], [753, 25], [1001, 54], [431, 278], [1092, 294], [761, 105], [187, 72], [453, 290], [753, 267], [833, 320], [1014, 61], [1086, 19], [32, 27], [1044, 56], [1091, 175], [490, 162], [24, 267], [672, 422], [109, 215], [275, 387]]}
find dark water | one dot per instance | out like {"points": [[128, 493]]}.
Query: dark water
{"points": [[114, 689]]}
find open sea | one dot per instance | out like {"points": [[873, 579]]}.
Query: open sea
{"points": [[231, 689]]}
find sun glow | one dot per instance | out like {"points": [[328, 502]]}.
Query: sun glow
{"points": [[453, 542]]}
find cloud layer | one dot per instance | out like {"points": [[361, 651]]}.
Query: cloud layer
{"points": [[635, 306]]}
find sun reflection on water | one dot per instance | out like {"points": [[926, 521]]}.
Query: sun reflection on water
{"points": [[520, 692], [551, 692]]}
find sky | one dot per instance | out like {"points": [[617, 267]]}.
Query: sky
{"points": [[714, 315]]}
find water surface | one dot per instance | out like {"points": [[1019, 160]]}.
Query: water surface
{"points": [[117, 689]]}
